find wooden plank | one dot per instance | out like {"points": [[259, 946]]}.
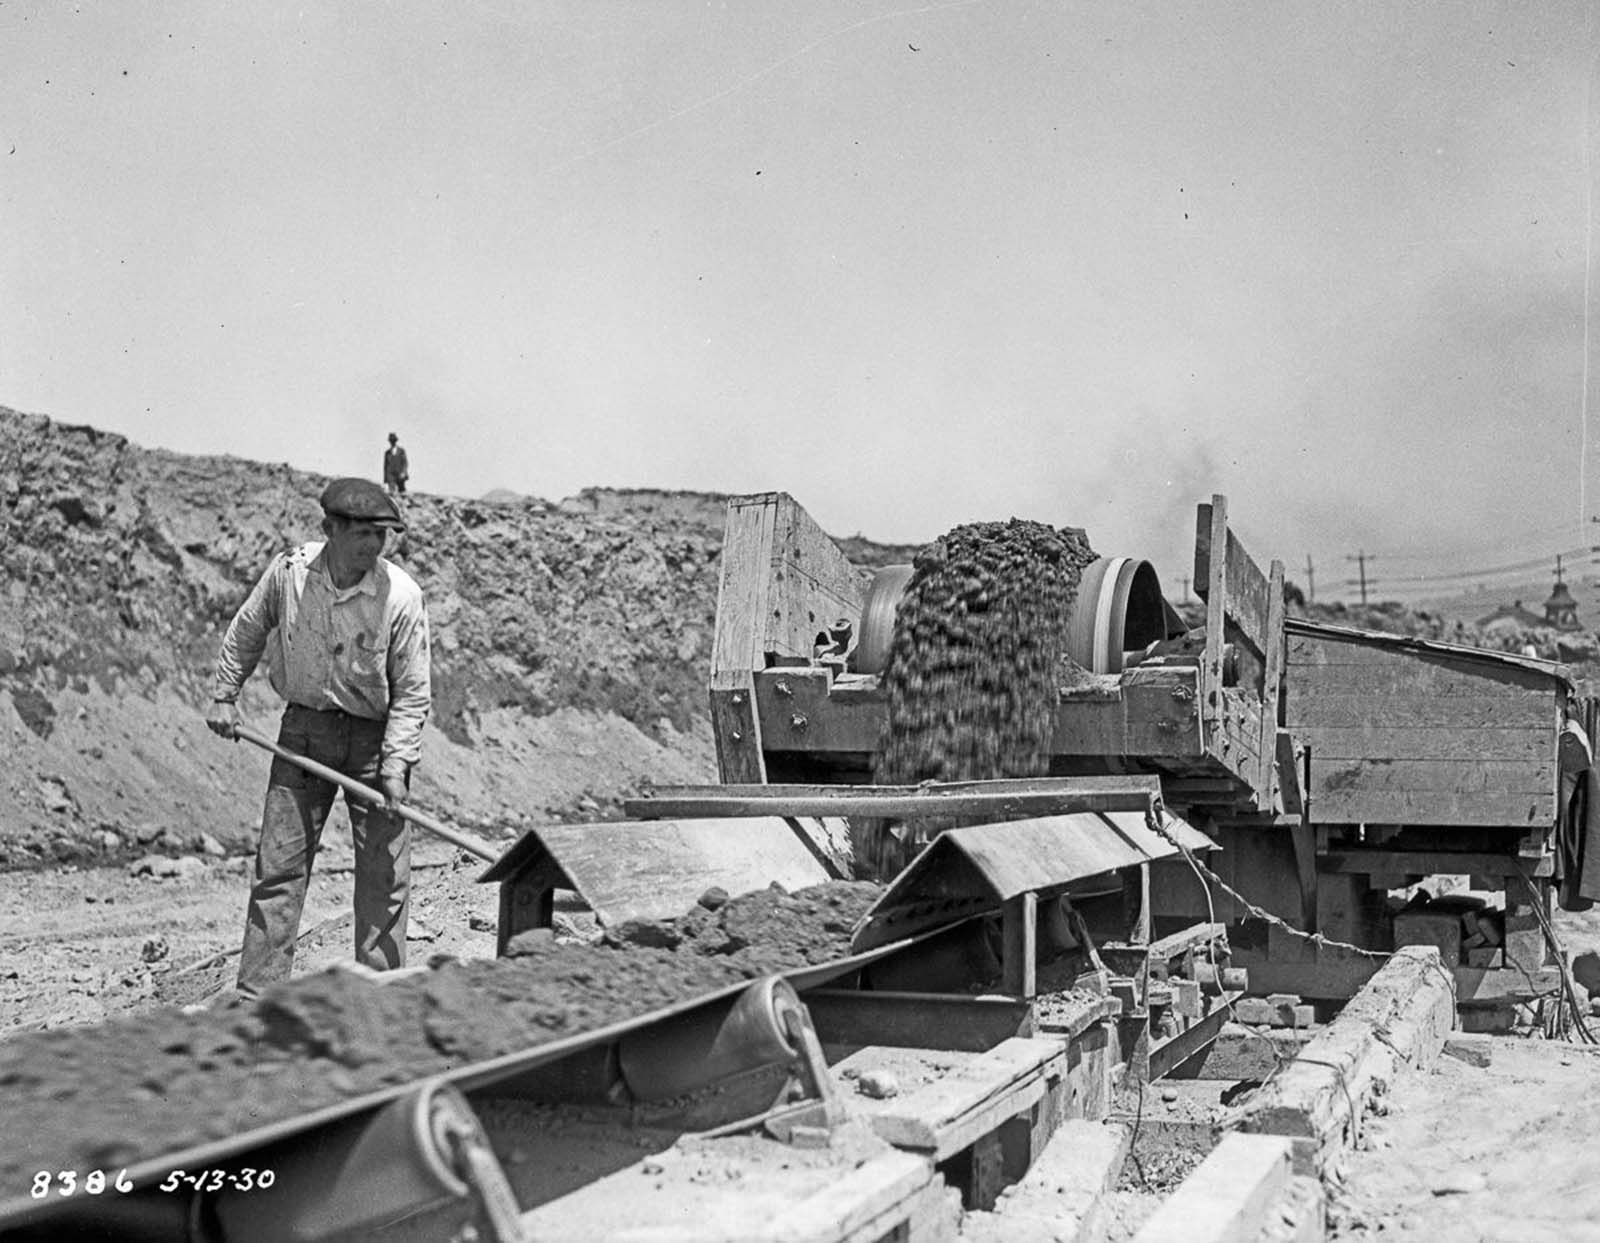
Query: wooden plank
{"points": [[1431, 863], [972, 1099], [1466, 714], [1525, 744], [857, 1018], [1173, 1051], [1461, 776], [1307, 649], [1303, 713], [1019, 919], [1244, 592], [1271, 680], [1152, 713], [1466, 809], [812, 586], [737, 731], [743, 588], [1230, 1196], [1291, 787], [1403, 674], [1249, 596], [1211, 584], [1035, 797]]}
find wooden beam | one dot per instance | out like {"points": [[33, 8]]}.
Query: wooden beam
{"points": [[1272, 676], [1400, 1016], [1151, 712], [973, 1098], [1168, 1054], [1326, 649], [1432, 863], [1528, 744], [1035, 797], [1211, 584], [1412, 672], [1453, 776], [857, 1018], [1304, 713], [1509, 811]]}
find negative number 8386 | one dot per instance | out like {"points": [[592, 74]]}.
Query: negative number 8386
{"points": [[68, 1182]]}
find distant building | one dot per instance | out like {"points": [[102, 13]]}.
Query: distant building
{"points": [[1561, 610], [1508, 615]]}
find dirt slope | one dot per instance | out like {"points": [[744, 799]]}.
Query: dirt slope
{"points": [[570, 643]]}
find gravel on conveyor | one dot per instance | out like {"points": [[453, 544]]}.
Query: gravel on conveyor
{"points": [[116, 1095]]}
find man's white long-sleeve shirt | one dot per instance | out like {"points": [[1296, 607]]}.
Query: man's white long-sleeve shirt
{"points": [[363, 650]]}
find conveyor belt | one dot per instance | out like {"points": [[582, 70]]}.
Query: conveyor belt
{"points": [[473, 1077]]}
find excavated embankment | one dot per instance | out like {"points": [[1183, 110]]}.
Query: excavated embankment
{"points": [[111, 1096]]}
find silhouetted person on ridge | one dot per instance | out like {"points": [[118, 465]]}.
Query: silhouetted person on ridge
{"points": [[396, 470]]}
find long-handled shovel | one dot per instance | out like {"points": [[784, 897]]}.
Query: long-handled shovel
{"points": [[466, 841]]}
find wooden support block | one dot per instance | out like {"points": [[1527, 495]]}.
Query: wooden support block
{"points": [[1440, 929], [1350, 910], [972, 1099], [978, 1172], [1505, 984], [1525, 946], [1278, 1011], [1493, 1020], [1227, 1199]]}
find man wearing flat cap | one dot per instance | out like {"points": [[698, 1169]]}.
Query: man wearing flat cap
{"points": [[345, 633]]}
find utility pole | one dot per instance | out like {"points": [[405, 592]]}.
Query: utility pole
{"points": [[1361, 560], [1311, 582], [1185, 581]]}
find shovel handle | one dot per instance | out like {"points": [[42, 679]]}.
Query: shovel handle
{"points": [[466, 841]]}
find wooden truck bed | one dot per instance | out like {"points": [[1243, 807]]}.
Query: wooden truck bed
{"points": [[779, 715]]}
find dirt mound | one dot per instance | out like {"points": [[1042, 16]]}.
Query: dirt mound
{"points": [[570, 642]]}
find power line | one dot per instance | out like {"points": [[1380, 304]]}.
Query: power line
{"points": [[1491, 570]]}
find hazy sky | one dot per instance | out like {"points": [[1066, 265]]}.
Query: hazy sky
{"points": [[1085, 263]]}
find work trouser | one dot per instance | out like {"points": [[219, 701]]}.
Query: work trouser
{"points": [[296, 810]]}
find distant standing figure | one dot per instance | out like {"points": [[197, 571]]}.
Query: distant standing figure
{"points": [[349, 653], [395, 468]]}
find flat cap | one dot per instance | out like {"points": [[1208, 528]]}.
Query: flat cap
{"points": [[363, 501]]}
